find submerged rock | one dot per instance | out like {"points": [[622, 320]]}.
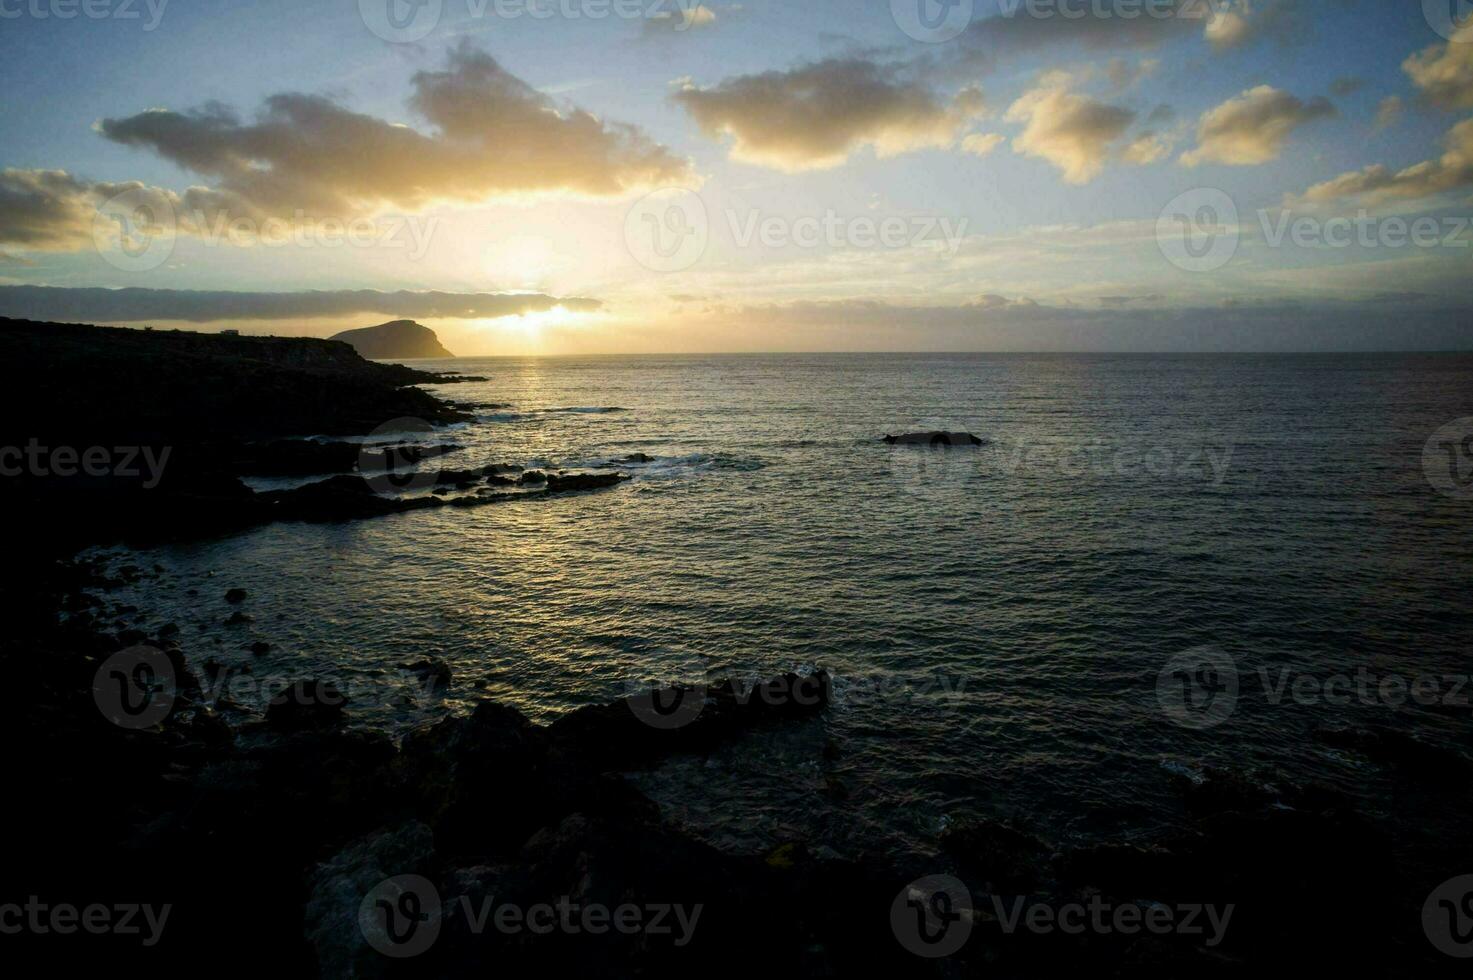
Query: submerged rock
{"points": [[934, 439], [571, 483], [433, 672]]}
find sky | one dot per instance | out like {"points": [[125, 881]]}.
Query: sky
{"points": [[612, 176]]}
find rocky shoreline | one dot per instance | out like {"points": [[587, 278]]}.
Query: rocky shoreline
{"points": [[178, 419], [273, 838], [286, 820]]}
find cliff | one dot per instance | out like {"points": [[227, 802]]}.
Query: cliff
{"points": [[398, 340]]}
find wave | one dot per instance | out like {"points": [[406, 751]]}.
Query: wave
{"points": [[584, 410]]}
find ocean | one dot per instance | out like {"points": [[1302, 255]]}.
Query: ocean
{"points": [[1007, 625]]}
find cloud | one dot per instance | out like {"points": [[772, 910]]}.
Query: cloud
{"points": [[493, 136], [1389, 112], [1377, 184], [1444, 72], [1161, 114], [1119, 301], [45, 209], [1251, 128], [1071, 131], [137, 305], [818, 115], [680, 21], [982, 144], [1143, 325], [1123, 74], [990, 41], [1147, 148], [1240, 22], [51, 210]]}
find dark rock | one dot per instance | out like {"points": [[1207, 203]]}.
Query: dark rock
{"points": [[433, 672], [309, 457], [238, 618], [572, 483], [644, 726], [236, 596], [339, 498], [307, 704], [462, 770], [1392, 747], [1222, 791], [396, 340], [1009, 858], [260, 648], [1123, 869], [934, 439], [336, 888], [209, 727]]}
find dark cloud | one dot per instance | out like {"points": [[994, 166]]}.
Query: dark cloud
{"points": [[818, 114], [990, 41], [138, 305], [51, 210], [1027, 326]]}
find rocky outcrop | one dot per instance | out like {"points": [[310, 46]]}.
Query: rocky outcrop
{"points": [[174, 387], [399, 340], [575, 482], [935, 439], [180, 416]]}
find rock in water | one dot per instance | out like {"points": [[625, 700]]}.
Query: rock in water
{"points": [[397, 340], [934, 439]]}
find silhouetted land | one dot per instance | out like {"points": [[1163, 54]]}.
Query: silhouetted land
{"points": [[399, 340]]}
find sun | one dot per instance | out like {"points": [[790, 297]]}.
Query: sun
{"points": [[535, 324]]}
